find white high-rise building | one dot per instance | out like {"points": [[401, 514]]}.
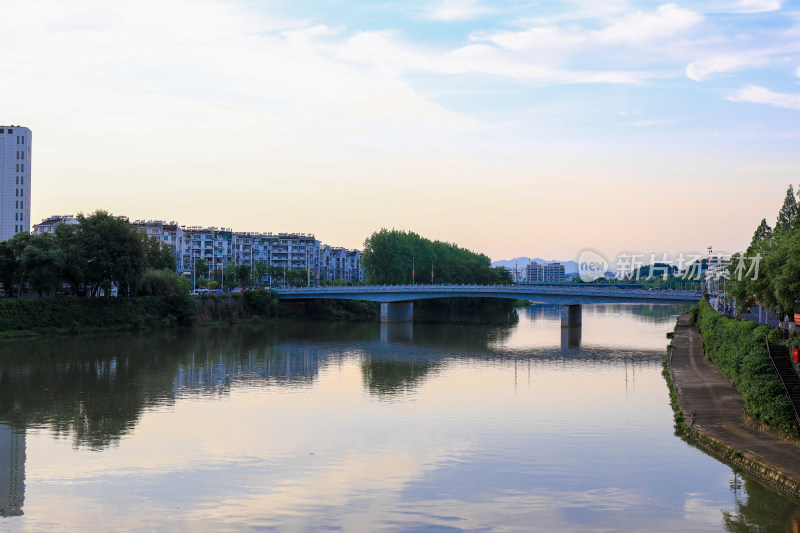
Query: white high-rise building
{"points": [[15, 181]]}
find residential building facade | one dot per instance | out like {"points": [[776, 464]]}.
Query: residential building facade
{"points": [[544, 272], [15, 181], [48, 225], [220, 247]]}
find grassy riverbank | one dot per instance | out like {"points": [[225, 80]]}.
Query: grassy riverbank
{"points": [[47, 316], [738, 350]]}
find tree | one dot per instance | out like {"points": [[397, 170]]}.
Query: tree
{"points": [[231, 275], [763, 231], [9, 268], [275, 273], [158, 256], [70, 241], [787, 216], [260, 269], [42, 264], [296, 278], [114, 253], [200, 267], [391, 256], [243, 274], [164, 282]]}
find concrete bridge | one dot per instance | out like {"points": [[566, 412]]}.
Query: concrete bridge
{"points": [[397, 300]]}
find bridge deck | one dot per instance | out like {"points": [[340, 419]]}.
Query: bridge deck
{"points": [[566, 295]]}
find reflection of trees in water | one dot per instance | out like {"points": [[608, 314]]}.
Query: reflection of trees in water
{"points": [[760, 509], [386, 377], [650, 313], [95, 388]]}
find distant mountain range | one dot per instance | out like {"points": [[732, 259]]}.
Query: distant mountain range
{"points": [[570, 267]]}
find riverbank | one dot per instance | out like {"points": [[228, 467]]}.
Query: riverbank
{"points": [[712, 412]]}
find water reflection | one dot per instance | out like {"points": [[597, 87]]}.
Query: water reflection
{"points": [[307, 426], [12, 471], [758, 508], [95, 389]]}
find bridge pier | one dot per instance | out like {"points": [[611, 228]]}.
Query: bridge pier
{"points": [[571, 316], [397, 332], [571, 322], [397, 312]]}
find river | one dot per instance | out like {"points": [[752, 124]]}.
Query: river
{"points": [[310, 426]]}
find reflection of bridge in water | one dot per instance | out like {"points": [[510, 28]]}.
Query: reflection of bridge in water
{"points": [[12, 471]]}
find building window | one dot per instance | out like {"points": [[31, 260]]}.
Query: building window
{"points": [[10, 131]]}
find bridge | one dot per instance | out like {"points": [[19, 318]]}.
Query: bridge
{"points": [[397, 300]]}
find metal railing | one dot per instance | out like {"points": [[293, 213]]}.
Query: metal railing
{"points": [[780, 377]]}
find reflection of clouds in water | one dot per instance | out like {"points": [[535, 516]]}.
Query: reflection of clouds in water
{"points": [[699, 510]]}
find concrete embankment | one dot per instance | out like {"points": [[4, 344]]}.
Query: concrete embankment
{"points": [[713, 410]]}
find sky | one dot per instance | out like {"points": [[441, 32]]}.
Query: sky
{"points": [[518, 128]]}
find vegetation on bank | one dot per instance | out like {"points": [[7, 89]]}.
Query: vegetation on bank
{"points": [[394, 257], [738, 350], [72, 315], [768, 272], [99, 254], [77, 314]]}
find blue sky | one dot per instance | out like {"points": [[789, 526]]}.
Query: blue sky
{"points": [[512, 128]]}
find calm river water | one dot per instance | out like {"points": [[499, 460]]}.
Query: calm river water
{"points": [[337, 426]]}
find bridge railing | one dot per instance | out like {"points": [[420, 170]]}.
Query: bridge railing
{"points": [[527, 289]]}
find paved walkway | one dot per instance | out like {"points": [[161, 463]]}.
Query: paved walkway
{"points": [[715, 409]]}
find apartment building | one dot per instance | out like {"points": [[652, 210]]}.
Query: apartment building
{"points": [[48, 225], [544, 272], [15, 181], [220, 247]]}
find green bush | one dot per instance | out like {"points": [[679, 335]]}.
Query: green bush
{"points": [[739, 351], [75, 314]]}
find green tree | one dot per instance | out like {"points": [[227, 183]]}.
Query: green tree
{"points": [[787, 216], [164, 282], [9, 268], [243, 274], [275, 274], [260, 269], [763, 232], [200, 267], [297, 278], [42, 264], [114, 253], [69, 239], [392, 256], [158, 256], [231, 275]]}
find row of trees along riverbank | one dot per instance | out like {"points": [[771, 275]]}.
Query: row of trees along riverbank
{"points": [[768, 274], [775, 284], [395, 257]]}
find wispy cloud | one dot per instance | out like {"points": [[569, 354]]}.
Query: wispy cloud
{"points": [[455, 10], [762, 95], [754, 6], [640, 26], [702, 69]]}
